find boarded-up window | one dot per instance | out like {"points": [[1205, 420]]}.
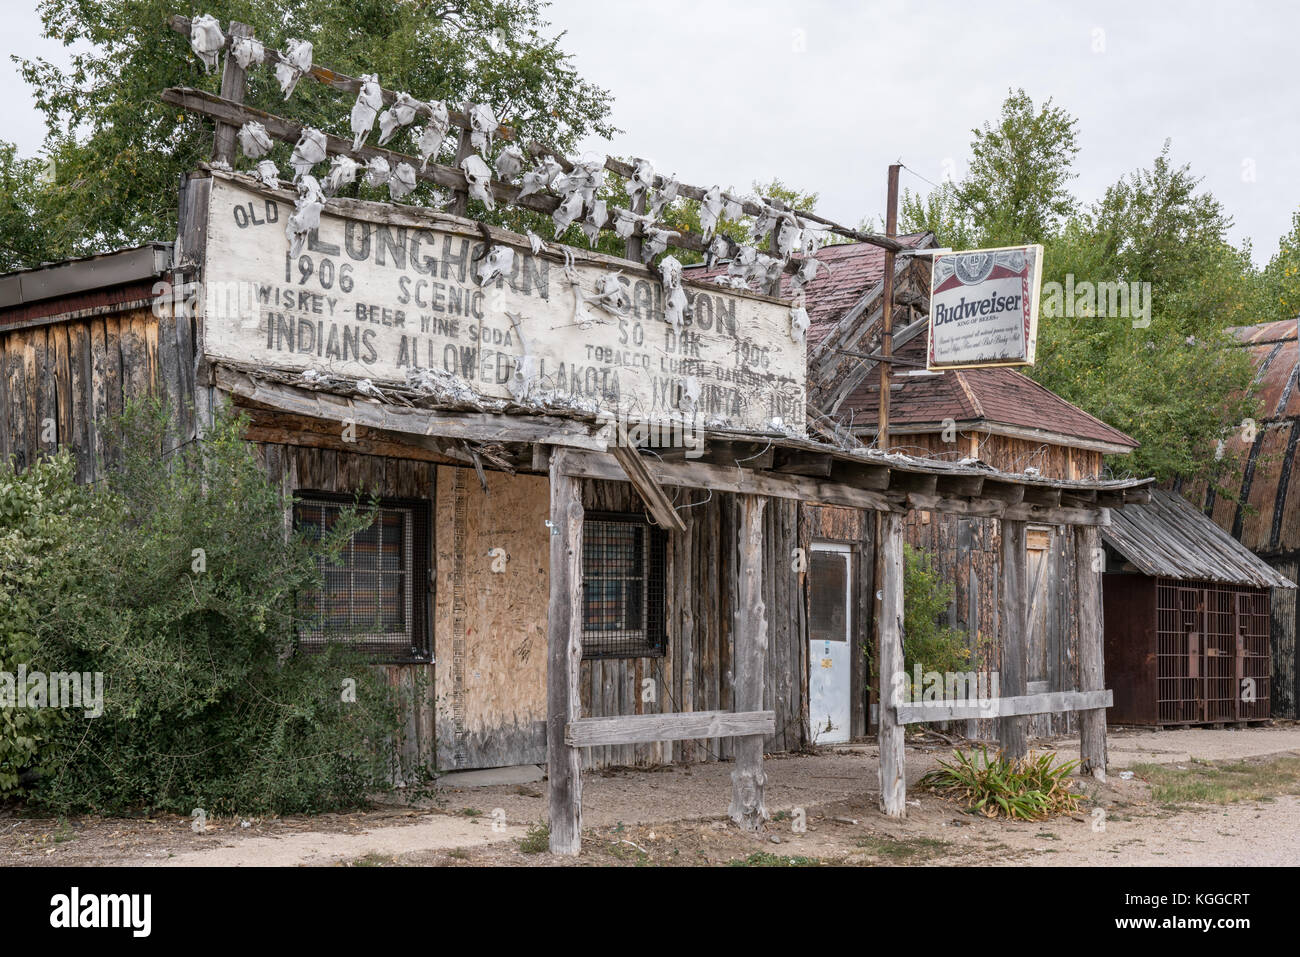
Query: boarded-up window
{"points": [[622, 587], [375, 597]]}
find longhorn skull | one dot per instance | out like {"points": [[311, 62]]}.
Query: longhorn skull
{"points": [[253, 140], [247, 51], [798, 323], [400, 114], [665, 197], [206, 40], [296, 62], [499, 261], [307, 152], [306, 213], [479, 179], [788, 235], [656, 242], [343, 170], [369, 99], [510, 163], [435, 131], [402, 182], [675, 303], [483, 125]]}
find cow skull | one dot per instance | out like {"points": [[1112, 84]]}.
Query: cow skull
{"points": [[306, 213], [434, 132], [206, 40], [247, 52], [343, 170], [642, 181], [307, 152], [499, 261], [253, 140], [267, 174], [402, 182], [400, 114], [369, 100], [568, 211], [483, 125], [479, 179], [296, 62], [378, 172]]}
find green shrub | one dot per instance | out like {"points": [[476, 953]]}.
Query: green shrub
{"points": [[180, 587], [1031, 789], [40, 510], [926, 642]]}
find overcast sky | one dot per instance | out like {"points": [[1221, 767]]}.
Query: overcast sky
{"points": [[825, 95]]}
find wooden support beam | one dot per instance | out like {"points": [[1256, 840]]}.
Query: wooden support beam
{"points": [[683, 726], [923, 483], [749, 638], [1007, 492], [960, 486], [234, 83], [1049, 702], [656, 502], [739, 480], [1042, 495], [1092, 669], [803, 463], [1079, 498], [889, 665], [874, 477], [1013, 730], [564, 659]]}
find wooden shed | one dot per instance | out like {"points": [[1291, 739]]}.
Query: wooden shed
{"points": [[1187, 619]]}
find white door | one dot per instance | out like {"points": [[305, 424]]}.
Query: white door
{"points": [[830, 661]]}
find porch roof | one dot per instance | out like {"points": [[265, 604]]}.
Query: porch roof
{"points": [[776, 464]]}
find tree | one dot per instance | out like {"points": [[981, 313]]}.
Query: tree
{"points": [[120, 150], [1280, 285], [940, 212], [1177, 382], [1015, 190], [25, 201]]}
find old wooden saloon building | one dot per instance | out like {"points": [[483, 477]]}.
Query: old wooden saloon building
{"points": [[599, 511]]}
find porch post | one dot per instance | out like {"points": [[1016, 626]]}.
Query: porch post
{"points": [[1013, 731], [1092, 671], [889, 665], [749, 639], [564, 658]]}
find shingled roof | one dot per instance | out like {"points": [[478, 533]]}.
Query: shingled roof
{"points": [[977, 399]]}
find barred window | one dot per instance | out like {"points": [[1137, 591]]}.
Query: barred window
{"points": [[376, 596], [622, 587]]}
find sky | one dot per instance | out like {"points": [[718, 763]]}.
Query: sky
{"points": [[825, 95]]}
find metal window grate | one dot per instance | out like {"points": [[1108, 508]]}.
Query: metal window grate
{"points": [[622, 587], [1213, 644], [375, 597]]}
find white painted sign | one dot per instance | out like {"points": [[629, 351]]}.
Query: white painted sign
{"points": [[369, 298], [984, 307]]}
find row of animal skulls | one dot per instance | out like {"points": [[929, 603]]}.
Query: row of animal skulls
{"points": [[576, 188]]}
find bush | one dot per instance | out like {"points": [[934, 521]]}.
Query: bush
{"points": [[180, 588], [39, 513], [926, 642], [1030, 789]]}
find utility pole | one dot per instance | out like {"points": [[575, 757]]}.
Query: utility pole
{"points": [[887, 317]]}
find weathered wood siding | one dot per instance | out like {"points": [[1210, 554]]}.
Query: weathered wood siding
{"points": [[62, 380], [696, 673]]}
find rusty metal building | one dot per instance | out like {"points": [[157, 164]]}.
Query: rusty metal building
{"points": [[1256, 498], [1187, 619]]}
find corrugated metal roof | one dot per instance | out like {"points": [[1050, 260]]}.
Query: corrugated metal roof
{"points": [[1169, 538]]}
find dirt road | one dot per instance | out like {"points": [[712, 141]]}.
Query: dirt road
{"points": [[823, 808]]}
